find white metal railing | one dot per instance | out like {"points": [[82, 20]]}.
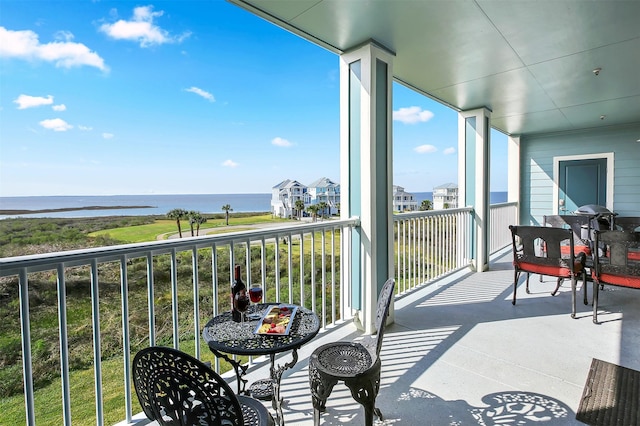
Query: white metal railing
{"points": [[430, 244], [500, 217], [318, 250]]}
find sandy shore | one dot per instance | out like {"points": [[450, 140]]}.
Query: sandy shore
{"points": [[69, 209]]}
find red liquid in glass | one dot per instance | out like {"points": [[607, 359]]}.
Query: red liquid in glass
{"points": [[242, 303], [255, 293]]}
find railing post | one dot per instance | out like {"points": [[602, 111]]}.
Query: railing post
{"points": [[64, 345], [25, 328], [97, 350], [196, 300], [126, 349]]}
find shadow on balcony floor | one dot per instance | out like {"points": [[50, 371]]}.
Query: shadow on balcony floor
{"points": [[459, 353]]}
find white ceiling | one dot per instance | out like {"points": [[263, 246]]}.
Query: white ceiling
{"points": [[530, 62]]}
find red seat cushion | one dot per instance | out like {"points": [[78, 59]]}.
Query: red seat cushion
{"points": [[634, 255], [556, 271], [631, 255], [566, 250], [621, 280]]}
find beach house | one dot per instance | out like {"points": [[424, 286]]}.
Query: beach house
{"points": [[324, 190], [445, 196], [403, 201], [284, 197]]}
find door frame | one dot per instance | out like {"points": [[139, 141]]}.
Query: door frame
{"points": [[556, 175]]}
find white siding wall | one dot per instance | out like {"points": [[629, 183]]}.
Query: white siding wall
{"points": [[536, 165]]}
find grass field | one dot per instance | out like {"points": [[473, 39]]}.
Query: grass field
{"points": [[163, 228]]}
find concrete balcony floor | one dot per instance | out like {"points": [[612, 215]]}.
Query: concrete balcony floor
{"points": [[459, 353]]}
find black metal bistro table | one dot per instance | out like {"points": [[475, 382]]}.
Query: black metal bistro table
{"points": [[224, 336]]}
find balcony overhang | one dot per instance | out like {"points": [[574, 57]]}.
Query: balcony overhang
{"points": [[531, 63]]}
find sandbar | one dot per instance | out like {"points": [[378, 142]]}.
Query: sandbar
{"points": [[70, 209]]}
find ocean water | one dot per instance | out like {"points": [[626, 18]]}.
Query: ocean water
{"points": [[159, 204]]}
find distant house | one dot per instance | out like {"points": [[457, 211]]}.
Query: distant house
{"points": [[403, 201], [445, 196], [327, 191], [284, 196]]}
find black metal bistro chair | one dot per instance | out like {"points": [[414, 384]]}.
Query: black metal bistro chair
{"points": [[538, 250], [175, 388], [356, 364], [620, 266]]}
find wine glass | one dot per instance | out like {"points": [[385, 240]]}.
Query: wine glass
{"points": [[242, 304], [255, 293]]}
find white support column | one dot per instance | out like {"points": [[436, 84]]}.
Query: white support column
{"points": [[513, 169], [366, 172], [473, 175]]}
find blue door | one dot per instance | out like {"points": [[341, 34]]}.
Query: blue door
{"points": [[582, 182]]}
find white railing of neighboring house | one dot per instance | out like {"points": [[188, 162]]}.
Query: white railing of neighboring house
{"points": [[430, 244], [318, 250], [500, 217]]}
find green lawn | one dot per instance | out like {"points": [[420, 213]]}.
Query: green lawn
{"points": [[163, 228]]}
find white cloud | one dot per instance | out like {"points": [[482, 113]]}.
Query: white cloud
{"points": [[56, 124], [278, 141], [25, 45], [425, 149], [141, 29], [107, 135], [412, 115], [230, 163], [449, 151], [64, 36], [61, 107], [201, 92], [26, 101], [85, 128]]}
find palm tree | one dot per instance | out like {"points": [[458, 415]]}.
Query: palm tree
{"points": [[190, 216], [426, 205], [314, 210], [227, 208], [195, 218], [322, 206], [199, 221], [299, 205], [177, 214]]}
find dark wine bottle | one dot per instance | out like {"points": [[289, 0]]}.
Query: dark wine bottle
{"points": [[238, 286]]}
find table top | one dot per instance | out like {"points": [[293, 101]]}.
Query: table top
{"points": [[224, 335]]}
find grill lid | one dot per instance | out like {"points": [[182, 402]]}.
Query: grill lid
{"points": [[593, 210]]}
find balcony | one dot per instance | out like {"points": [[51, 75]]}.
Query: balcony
{"points": [[457, 346], [428, 246]]}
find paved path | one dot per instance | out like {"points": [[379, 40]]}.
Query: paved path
{"points": [[231, 228]]}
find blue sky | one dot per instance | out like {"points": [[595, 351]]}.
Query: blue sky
{"points": [[186, 97]]}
